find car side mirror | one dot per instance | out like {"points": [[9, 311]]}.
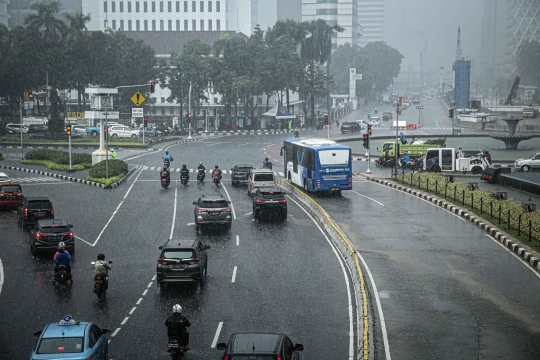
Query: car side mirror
{"points": [[38, 333], [228, 202], [281, 152], [110, 262], [232, 170], [194, 203], [206, 247], [160, 248], [221, 346], [106, 331], [298, 347], [70, 226]]}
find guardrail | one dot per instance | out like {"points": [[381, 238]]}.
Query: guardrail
{"points": [[365, 337]]}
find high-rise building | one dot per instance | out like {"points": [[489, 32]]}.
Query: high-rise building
{"points": [[462, 83], [244, 15], [522, 26], [4, 14], [336, 12], [371, 18], [289, 9], [160, 15], [493, 45]]}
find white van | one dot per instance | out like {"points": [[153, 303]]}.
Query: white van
{"points": [[259, 178], [17, 128]]}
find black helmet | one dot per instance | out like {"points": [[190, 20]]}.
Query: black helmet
{"points": [[266, 159], [216, 166], [183, 166], [101, 257], [166, 153]]}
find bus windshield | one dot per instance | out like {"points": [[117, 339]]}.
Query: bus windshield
{"points": [[334, 157]]}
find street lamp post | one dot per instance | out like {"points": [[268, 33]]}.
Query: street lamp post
{"points": [[452, 103], [189, 111]]}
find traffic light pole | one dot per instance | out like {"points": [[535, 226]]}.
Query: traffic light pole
{"points": [[22, 151], [70, 168], [189, 101], [368, 171]]}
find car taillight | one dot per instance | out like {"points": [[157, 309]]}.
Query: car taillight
{"points": [[227, 210], [162, 261], [282, 200], [52, 211], [274, 184], [258, 201], [252, 185], [25, 212], [226, 357], [98, 277], [193, 261], [70, 234], [236, 173], [350, 180], [278, 357], [39, 235], [201, 210]]}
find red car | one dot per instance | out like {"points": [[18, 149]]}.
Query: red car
{"points": [[11, 194]]}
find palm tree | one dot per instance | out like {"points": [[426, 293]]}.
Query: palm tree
{"points": [[45, 21]]}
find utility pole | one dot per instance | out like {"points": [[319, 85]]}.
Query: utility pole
{"points": [[21, 109], [189, 111], [398, 111]]}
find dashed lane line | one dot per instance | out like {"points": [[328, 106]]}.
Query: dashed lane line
{"points": [[115, 332], [1, 276], [216, 337], [367, 197], [144, 292], [125, 321], [228, 196], [237, 240], [132, 311], [139, 302], [150, 284], [234, 274]]}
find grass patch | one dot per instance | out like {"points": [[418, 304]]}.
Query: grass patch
{"points": [[54, 166], [106, 182]]}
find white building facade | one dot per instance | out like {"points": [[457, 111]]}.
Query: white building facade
{"points": [[132, 15], [371, 18], [4, 15]]}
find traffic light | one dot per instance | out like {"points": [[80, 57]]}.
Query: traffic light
{"points": [[369, 130], [68, 129], [189, 117], [451, 113], [366, 141], [145, 122], [152, 87], [325, 119]]}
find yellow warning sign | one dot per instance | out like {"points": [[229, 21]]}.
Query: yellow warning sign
{"points": [[137, 98], [25, 94]]}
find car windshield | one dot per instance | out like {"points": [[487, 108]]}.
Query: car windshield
{"points": [[264, 177], [54, 230], [178, 254], [214, 204], [38, 205], [61, 345], [252, 357], [10, 188]]}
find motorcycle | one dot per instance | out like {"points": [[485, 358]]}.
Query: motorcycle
{"points": [[100, 283], [201, 175], [267, 165], [381, 162], [166, 163], [216, 180], [62, 276], [164, 181], [184, 178], [175, 348], [296, 133]]}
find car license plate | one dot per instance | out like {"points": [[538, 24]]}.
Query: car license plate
{"points": [[214, 213], [39, 215], [173, 345], [11, 197], [179, 266]]}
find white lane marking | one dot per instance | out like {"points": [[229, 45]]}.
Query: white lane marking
{"points": [[115, 332], [57, 183], [244, 144], [281, 174], [249, 213], [515, 255], [133, 310], [228, 196], [378, 301], [139, 301], [150, 284], [115, 211], [234, 274], [154, 277], [145, 291], [125, 321], [152, 168], [1, 276], [423, 133], [174, 213], [133, 174], [367, 197], [76, 237], [237, 240], [351, 325], [216, 337]]}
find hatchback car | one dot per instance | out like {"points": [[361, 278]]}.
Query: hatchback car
{"points": [[352, 127], [79, 129], [17, 128], [48, 233], [182, 261], [11, 194], [260, 346], [212, 210], [240, 174], [387, 116], [70, 339], [32, 209], [3, 177]]}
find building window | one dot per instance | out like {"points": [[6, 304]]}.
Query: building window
{"points": [[129, 6], [178, 6], [218, 7], [137, 9], [161, 6], [114, 25], [153, 6], [105, 24], [138, 25], [169, 6], [326, 11], [177, 25], [218, 25], [186, 25], [185, 6], [170, 25], [145, 6], [121, 6], [162, 25], [145, 25], [202, 25], [113, 6], [193, 25], [209, 6], [163, 100], [105, 6], [209, 25], [121, 25], [202, 6], [216, 100], [129, 25], [193, 6], [153, 25], [163, 111]]}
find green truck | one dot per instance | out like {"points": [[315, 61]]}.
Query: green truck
{"points": [[413, 149]]}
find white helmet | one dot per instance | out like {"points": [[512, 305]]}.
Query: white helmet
{"points": [[177, 309]]}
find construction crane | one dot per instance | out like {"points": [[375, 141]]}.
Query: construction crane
{"points": [[458, 45], [513, 91]]}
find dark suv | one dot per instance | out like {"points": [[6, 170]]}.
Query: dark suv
{"points": [[387, 116], [269, 201], [240, 174], [48, 233], [182, 261], [32, 209], [257, 345], [212, 210], [350, 126]]}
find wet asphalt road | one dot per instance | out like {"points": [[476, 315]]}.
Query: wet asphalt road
{"points": [[288, 277]]}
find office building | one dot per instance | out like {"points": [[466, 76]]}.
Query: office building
{"points": [[462, 83], [336, 12], [289, 9], [19, 10], [371, 18], [522, 26], [493, 45], [244, 15], [4, 15]]}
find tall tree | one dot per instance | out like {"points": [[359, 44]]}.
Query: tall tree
{"points": [[386, 60]]}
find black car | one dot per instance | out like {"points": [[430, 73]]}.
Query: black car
{"points": [[259, 345], [350, 126], [240, 174], [35, 128], [48, 233], [270, 202], [387, 116], [33, 209]]}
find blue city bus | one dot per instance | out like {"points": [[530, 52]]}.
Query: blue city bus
{"points": [[317, 164]]}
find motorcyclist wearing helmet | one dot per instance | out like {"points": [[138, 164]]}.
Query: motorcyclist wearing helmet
{"points": [[62, 258], [167, 159], [266, 164], [386, 157], [177, 325], [184, 172], [61, 243], [201, 169], [165, 172], [405, 159], [216, 173], [419, 161], [102, 267]]}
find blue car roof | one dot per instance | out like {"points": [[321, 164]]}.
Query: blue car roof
{"points": [[53, 330]]}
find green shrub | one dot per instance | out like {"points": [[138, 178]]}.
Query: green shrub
{"points": [[107, 182], [58, 157], [1, 156], [116, 167], [54, 166]]}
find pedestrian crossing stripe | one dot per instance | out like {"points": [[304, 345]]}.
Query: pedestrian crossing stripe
{"points": [[36, 179]]}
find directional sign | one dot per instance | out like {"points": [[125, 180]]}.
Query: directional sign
{"points": [[422, 107], [137, 98], [137, 112]]}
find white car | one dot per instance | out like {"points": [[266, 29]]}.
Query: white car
{"points": [[3, 177], [79, 129], [122, 131], [375, 121], [362, 123], [526, 164], [17, 128]]}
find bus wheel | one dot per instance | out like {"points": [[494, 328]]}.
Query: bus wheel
{"points": [[436, 168]]}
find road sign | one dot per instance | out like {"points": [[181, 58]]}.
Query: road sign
{"points": [[137, 112], [422, 107], [137, 98], [25, 94]]}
